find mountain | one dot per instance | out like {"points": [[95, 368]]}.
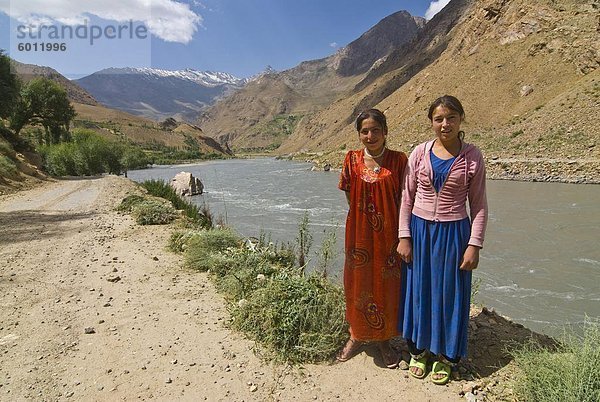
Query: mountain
{"points": [[264, 112], [27, 72], [159, 94], [526, 72]]}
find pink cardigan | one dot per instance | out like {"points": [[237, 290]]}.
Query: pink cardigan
{"points": [[465, 179]]}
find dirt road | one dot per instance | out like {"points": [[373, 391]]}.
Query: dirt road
{"points": [[93, 307]]}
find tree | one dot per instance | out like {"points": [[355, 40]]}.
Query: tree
{"points": [[9, 87], [44, 102]]}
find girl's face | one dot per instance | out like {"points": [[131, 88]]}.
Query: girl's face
{"points": [[372, 135], [446, 124]]}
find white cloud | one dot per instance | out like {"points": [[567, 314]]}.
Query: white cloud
{"points": [[333, 44], [435, 7], [169, 20]]}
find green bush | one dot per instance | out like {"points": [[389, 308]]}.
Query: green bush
{"points": [[179, 239], [134, 157], [130, 202], [568, 373], [203, 246], [8, 169], [296, 318], [58, 159], [152, 212], [7, 149], [239, 274], [161, 188], [87, 154]]}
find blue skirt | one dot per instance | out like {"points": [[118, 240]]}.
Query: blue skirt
{"points": [[435, 292]]}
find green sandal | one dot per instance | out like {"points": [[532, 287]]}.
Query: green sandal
{"points": [[440, 368], [419, 362]]}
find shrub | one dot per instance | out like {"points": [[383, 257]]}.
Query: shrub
{"points": [[152, 212], [8, 168], [201, 248], [58, 159], [239, 272], [328, 252], [568, 373], [134, 158], [87, 154], [303, 240], [179, 239], [295, 318], [130, 202], [161, 188], [7, 149]]}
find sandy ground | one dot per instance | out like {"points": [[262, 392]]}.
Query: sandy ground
{"points": [[93, 307]]}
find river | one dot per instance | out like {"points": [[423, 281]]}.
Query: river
{"points": [[540, 265]]}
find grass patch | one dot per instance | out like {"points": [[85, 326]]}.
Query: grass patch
{"points": [[203, 249], [295, 317], [568, 374], [153, 212], [129, 202], [8, 169], [198, 216], [160, 206]]}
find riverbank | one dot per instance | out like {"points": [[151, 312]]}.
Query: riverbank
{"points": [[557, 170], [94, 307]]}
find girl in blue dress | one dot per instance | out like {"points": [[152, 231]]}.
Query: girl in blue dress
{"points": [[440, 241]]}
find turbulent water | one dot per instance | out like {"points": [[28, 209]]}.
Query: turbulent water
{"points": [[540, 264]]}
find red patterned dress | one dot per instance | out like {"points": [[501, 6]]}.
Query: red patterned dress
{"points": [[372, 265]]}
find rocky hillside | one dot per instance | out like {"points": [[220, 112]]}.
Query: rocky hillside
{"points": [[527, 74], [266, 110], [27, 72], [159, 94]]}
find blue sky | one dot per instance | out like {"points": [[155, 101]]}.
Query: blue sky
{"points": [[240, 37]]}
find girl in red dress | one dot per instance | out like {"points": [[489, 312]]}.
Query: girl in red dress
{"points": [[371, 178]]}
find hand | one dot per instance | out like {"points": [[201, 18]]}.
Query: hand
{"points": [[470, 259], [405, 249]]}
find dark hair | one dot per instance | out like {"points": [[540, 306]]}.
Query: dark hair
{"points": [[448, 101], [374, 114], [451, 103]]}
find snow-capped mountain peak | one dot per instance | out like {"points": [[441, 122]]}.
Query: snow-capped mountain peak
{"points": [[206, 78]]}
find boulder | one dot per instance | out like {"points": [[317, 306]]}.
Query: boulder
{"points": [[185, 183]]}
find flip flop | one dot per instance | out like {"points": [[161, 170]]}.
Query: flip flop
{"points": [[420, 363], [440, 368], [351, 349]]}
